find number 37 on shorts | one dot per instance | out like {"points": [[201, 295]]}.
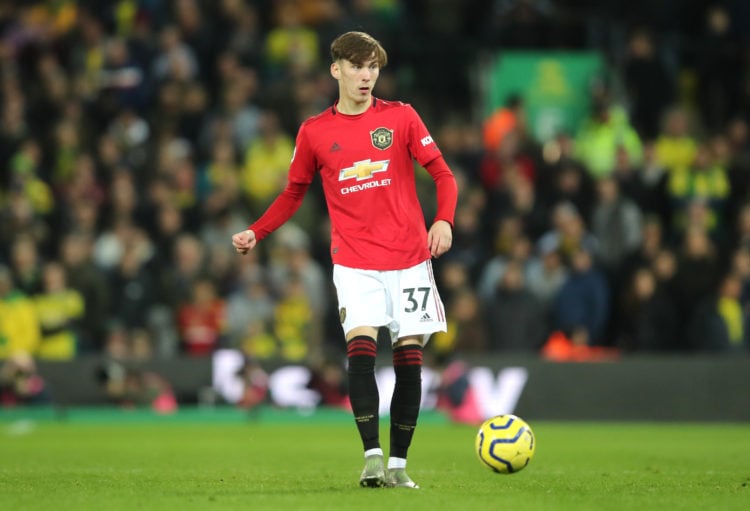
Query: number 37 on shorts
{"points": [[405, 301]]}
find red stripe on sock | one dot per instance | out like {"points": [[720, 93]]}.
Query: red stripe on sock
{"points": [[361, 347], [361, 353], [409, 357]]}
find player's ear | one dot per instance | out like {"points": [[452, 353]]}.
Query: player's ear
{"points": [[336, 70]]}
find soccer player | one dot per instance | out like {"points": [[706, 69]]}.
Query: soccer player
{"points": [[363, 149]]}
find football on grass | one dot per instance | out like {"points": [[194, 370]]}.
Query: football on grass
{"points": [[505, 444]]}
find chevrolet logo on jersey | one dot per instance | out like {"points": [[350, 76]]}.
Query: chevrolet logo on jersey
{"points": [[363, 169]]}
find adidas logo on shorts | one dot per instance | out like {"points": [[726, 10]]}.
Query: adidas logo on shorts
{"points": [[425, 317]]}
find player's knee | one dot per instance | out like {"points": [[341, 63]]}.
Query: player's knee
{"points": [[361, 352], [414, 340]]}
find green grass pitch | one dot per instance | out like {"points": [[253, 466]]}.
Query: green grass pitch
{"points": [[199, 460]]}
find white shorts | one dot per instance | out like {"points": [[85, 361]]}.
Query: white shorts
{"points": [[405, 301]]}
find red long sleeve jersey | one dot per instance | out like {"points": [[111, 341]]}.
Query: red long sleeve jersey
{"points": [[366, 167]]}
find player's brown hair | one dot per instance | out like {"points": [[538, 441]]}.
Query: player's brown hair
{"points": [[357, 47]]}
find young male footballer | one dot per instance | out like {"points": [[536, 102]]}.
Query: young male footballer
{"points": [[363, 149]]}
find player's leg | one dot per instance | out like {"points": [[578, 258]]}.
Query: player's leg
{"points": [[419, 312], [407, 396], [361, 301], [361, 350]]}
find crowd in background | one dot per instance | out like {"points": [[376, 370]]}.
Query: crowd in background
{"points": [[137, 136]]}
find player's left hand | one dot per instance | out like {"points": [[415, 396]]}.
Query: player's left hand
{"points": [[439, 238]]}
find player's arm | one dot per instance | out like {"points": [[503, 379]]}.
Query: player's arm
{"points": [[424, 149], [445, 188], [301, 172], [440, 235], [281, 210]]}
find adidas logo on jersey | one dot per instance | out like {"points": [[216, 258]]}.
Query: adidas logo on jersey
{"points": [[335, 147], [425, 317]]}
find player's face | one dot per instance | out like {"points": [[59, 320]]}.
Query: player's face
{"points": [[356, 81]]}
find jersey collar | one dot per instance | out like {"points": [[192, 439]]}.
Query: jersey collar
{"points": [[333, 107]]}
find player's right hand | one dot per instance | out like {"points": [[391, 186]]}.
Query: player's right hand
{"points": [[244, 241]]}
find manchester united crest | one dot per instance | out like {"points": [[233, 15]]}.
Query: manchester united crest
{"points": [[382, 138]]}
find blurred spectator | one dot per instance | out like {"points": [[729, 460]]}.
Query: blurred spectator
{"points": [[236, 117], [701, 186], [545, 275], [26, 265], [221, 269], [648, 317], [188, 264], [249, 305], [505, 163], [469, 245], [649, 84], [522, 201], [698, 269], [134, 292], [91, 282], [664, 266], [460, 142], [738, 169], [616, 223], [291, 48], [295, 325], [290, 260], [59, 309], [742, 234], [581, 308], [515, 317], [67, 150], [243, 31], [122, 78], [131, 132], [504, 171], [258, 341], [567, 182], [84, 184], [220, 180], [20, 331], [569, 233], [202, 319], [266, 164], [645, 185], [123, 204], [651, 243], [718, 56], [720, 322], [676, 147], [216, 226], [467, 332], [168, 226], [740, 266], [597, 141], [518, 251], [504, 120], [27, 177], [175, 59]]}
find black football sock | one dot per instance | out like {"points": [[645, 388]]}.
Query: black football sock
{"points": [[363, 390], [407, 395]]}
